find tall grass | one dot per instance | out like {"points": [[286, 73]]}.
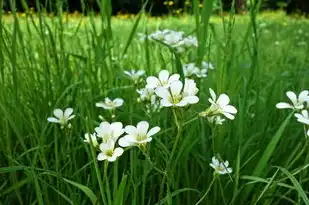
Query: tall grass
{"points": [[50, 62]]}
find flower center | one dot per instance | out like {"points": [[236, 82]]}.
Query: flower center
{"points": [[141, 137], [174, 99], [109, 153], [62, 120], [220, 169]]}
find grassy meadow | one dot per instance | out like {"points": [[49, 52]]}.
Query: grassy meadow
{"points": [[61, 61]]}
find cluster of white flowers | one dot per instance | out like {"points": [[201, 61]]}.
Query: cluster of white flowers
{"points": [[107, 135], [171, 90], [192, 70], [175, 39], [300, 105], [219, 108]]}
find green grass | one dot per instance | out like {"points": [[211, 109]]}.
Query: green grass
{"points": [[48, 63]]}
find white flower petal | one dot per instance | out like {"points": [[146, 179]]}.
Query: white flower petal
{"points": [[283, 105], [163, 75], [213, 95], [142, 127], [223, 100], [174, 77], [58, 113], [52, 119], [182, 103], [176, 87], [191, 99], [118, 151], [118, 102], [162, 92], [112, 158], [292, 96], [131, 130], [303, 95], [123, 143], [228, 115], [165, 103], [153, 131], [229, 109], [152, 82], [101, 157], [68, 112]]}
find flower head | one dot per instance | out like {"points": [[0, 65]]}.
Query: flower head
{"points": [[220, 106], [135, 74], [62, 117], [303, 117], [217, 120], [298, 103], [91, 138], [219, 167], [175, 96], [190, 69], [164, 80], [109, 152], [138, 135], [108, 131], [109, 104]]}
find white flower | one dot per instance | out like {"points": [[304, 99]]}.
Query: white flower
{"points": [[146, 94], [297, 103], [135, 75], [219, 167], [201, 73], [190, 69], [164, 80], [138, 135], [217, 120], [109, 104], [62, 117], [108, 151], [159, 35], [173, 37], [189, 41], [108, 131], [207, 65], [303, 117], [174, 95], [220, 106], [91, 138]]}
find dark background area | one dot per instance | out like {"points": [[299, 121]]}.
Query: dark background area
{"points": [[154, 7]]}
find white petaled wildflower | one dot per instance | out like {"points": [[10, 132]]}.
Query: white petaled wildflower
{"points": [[217, 120], [91, 138], [164, 80], [219, 167], [207, 65], [146, 94], [190, 69], [173, 37], [138, 135], [298, 103], [174, 96], [135, 74], [109, 104], [189, 41], [201, 73], [303, 117], [109, 152], [108, 131], [220, 106], [160, 34], [61, 117]]}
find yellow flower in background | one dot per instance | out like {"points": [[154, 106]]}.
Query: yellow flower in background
{"points": [[170, 3]]}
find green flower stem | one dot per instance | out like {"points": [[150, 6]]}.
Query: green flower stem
{"points": [[99, 178], [179, 133], [109, 199], [206, 193]]}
